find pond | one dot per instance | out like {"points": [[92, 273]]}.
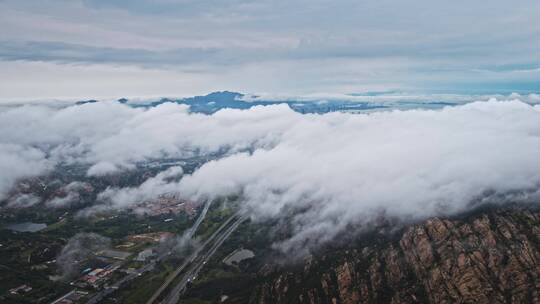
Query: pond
{"points": [[26, 227]]}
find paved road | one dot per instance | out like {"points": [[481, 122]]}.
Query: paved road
{"points": [[110, 289], [196, 261], [96, 298], [200, 251], [199, 262]]}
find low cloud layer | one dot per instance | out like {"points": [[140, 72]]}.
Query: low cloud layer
{"points": [[124, 198], [110, 137], [69, 195], [18, 161], [337, 170], [324, 172]]}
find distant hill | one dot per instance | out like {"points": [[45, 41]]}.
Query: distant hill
{"points": [[216, 101]]}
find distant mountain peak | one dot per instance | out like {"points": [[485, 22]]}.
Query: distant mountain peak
{"points": [[221, 96]]}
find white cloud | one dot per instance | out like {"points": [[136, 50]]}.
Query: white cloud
{"points": [[70, 195], [110, 136], [23, 201], [123, 198], [103, 168], [19, 162], [335, 170], [326, 172]]}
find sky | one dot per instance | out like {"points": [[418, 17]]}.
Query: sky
{"points": [[53, 49]]}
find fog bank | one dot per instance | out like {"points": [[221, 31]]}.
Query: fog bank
{"points": [[327, 172]]}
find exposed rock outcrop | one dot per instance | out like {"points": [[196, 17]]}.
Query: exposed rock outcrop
{"points": [[490, 257]]}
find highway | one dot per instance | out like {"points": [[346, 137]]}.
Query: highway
{"points": [[110, 289], [199, 262], [196, 260], [96, 298]]}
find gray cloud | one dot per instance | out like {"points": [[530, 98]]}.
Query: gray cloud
{"points": [[78, 53], [337, 46]]}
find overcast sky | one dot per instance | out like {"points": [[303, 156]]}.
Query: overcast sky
{"points": [[114, 48]]}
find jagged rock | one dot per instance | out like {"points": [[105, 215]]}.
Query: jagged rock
{"points": [[491, 257]]}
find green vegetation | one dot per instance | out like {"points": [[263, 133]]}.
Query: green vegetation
{"points": [[196, 301], [217, 214], [28, 258], [141, 289], [237, 282]]}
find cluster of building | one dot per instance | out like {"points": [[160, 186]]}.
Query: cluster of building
{"points": [[145, 255], [20, 289], [98, 276], [153, 237], [95, 277], [169, 204]]}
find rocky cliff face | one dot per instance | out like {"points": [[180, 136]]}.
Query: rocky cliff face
{"points": [[489, 257]]}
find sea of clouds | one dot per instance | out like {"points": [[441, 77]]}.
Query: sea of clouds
{"points": [[323, 172]]}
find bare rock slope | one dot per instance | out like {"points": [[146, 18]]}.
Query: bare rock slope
{"points": [[489, 257]]}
